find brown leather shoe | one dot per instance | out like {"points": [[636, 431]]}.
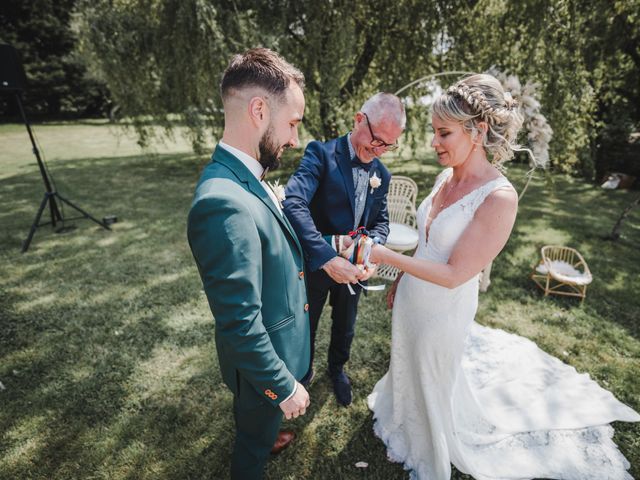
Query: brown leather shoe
{"points": [[285, 437]]}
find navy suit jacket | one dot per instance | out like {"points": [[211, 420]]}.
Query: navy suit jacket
{"points": [[320, 199]]}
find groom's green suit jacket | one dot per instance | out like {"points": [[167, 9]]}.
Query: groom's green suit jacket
{"points": [[252, 270]]}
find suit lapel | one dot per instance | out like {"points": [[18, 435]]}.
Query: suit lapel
{"points": [[243, 174], [292, 231], [344, 161], [258, 190]]}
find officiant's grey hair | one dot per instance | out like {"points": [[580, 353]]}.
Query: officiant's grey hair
{"points": [[385, 106], [263, 68]]}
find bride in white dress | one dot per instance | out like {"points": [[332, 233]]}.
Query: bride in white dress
{"points": [[491, 403]]}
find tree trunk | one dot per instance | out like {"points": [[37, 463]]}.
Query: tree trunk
{"points": [[615, 233]]}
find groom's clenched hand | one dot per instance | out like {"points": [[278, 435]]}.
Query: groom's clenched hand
{"points": [[297, 404], [342, 270]]}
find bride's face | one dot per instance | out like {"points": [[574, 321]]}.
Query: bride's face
{"points": [[452, 144]]}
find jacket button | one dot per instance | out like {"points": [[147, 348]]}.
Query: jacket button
{"points": [[306, 307], [301, 275]]}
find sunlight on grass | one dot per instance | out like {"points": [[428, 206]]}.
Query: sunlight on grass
{"points": [[107, 350], [165, 372], [183, 318], [28, 438], [539, 233], [60, 141], [34, 303], [107, 241], [169, 277], [135, 457]]}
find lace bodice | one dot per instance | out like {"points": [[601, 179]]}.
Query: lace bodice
{"points": [[448, 225]]}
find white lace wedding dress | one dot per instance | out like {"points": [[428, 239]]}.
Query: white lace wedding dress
{"points": [[491, 403]]}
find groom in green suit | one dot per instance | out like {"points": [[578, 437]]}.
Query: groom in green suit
{"points": [[250, 260]]}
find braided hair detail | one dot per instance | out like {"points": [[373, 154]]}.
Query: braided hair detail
{"points": [[481, 98], [478, 103]]}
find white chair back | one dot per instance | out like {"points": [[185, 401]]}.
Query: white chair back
{"points": [[401, 200]]}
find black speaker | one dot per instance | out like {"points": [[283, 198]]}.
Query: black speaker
{"points": [[12, 77]]}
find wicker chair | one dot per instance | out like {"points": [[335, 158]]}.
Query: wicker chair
{"points": [[562, 271], [403, 236]]}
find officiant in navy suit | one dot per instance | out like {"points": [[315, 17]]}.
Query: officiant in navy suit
{"points": [[342, 185]]}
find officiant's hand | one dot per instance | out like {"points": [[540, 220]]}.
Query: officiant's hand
{"points": [[368, 272], [342, 270], [297, 404]]}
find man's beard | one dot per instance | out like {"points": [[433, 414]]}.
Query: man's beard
{"points": [[269, 150]]}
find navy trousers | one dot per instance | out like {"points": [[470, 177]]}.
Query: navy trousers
{"points": [[344, 309]]}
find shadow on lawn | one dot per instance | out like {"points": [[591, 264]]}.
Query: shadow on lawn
{"points": [[141, 189], [582, 215], [107, 350], [89, 316]]}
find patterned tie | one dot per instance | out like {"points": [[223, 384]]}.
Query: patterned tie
{"points": [[360, 172]]}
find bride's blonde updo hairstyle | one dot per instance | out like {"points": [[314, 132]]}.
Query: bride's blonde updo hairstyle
{"points": [[481, 98]]}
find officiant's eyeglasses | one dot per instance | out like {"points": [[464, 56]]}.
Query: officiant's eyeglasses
{"points": [[376, 142]]}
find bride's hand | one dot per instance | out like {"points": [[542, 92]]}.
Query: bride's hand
{"points": [[377, 251], [391, 295]]}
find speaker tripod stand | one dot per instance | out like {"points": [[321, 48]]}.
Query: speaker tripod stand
{"points": [[51, 196]]}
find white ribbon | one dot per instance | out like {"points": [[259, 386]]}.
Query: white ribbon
{"points": [[372, 288]]}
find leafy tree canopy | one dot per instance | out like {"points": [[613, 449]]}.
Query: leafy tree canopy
{"points": [[162, 59]]}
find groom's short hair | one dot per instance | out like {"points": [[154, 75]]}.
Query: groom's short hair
{"points": [[259, 67]]}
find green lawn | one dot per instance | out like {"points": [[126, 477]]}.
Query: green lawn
{"points": [[107, 357]]}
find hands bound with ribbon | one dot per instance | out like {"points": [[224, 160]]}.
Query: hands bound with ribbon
{"points": [[356, 247]]}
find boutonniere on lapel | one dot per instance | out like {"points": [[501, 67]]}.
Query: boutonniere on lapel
{"points": [[374, 182], [278, 191]]}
